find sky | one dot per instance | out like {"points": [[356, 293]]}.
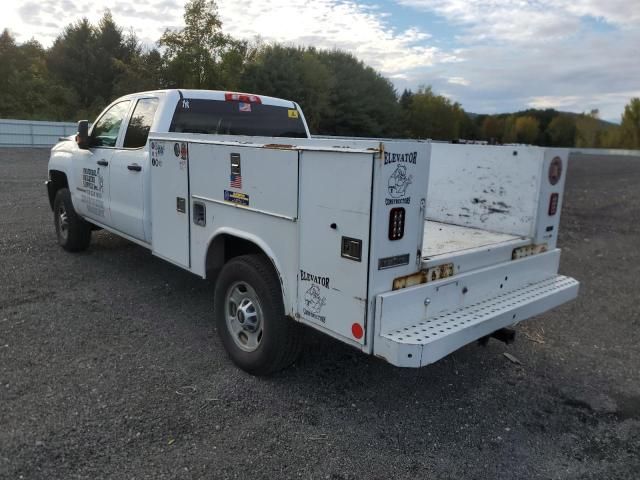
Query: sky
{"points": [[491, 56]]}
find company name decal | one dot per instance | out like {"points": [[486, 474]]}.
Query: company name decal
{"points": [[310, 277], [92, 189], [410, 157]]}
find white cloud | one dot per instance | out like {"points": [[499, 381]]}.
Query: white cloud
{"points": [[458, 81], [528, 21], [44, 20], [362, 30], [508, 54]]}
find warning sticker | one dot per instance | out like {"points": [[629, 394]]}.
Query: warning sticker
{"points": [[293, 113], [236, 197]]}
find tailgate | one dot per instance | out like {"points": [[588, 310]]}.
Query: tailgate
{"points": [[419, 325]]}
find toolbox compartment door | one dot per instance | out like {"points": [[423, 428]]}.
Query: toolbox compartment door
{"points": [[170, 201], [335, 208]]}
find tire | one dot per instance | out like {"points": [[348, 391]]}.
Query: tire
{"points": [[74, 233], [250, 319]]}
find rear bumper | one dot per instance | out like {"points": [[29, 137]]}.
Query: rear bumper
{"points": [[435, 333]]}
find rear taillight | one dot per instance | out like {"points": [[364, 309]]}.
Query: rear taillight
{"points": [[553, 203], [241, 97], [396, 223]]}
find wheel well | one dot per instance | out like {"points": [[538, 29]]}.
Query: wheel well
{"points": [[225, 247], [57, 180]]}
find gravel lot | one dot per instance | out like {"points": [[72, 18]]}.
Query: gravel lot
{"points": [[110, 367]]}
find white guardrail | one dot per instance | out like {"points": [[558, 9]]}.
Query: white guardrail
{"points": [[605, 151], [30, 133]]}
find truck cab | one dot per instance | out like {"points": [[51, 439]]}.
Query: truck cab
{"points": [[106, 177]]}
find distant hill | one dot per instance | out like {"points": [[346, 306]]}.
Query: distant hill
{"points": [[544, 116]]}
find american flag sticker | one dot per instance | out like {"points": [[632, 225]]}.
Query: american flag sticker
{"points": [[244, 107], [235, 180]]}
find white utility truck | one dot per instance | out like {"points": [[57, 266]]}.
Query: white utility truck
{"points": [[404, 249]]}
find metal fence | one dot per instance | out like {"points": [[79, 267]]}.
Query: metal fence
{"points": [[30, 133]]}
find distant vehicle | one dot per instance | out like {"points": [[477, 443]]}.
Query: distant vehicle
{"points": [[403, 249]]}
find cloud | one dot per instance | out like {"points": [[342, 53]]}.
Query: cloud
{"points": [[458, 81], [44, 20], [363, 30], [589, 70], [505, 54], [536, 21]]}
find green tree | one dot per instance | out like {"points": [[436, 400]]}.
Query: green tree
{"points": [[290, 72], [361, 101], [193, 52], [510, 134], [588, 130], [562, 131], [26, 88], [611, 137], [492, 128], [527, 129], [630, 125], [111, 55], [433, 116], [72, 61]]}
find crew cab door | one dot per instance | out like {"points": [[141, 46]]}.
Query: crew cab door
{"points": [[129, 168], [92, 168]]}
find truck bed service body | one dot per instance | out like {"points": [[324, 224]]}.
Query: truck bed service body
{"points": [[404, 249]]}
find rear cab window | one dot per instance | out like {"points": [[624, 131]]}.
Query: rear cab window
{"points": [[221, 117]]}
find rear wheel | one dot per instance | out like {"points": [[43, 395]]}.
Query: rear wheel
{"points": [[74, 234], [250, 318]]}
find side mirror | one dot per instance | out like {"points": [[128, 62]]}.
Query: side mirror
{"points": [[82, 138]]}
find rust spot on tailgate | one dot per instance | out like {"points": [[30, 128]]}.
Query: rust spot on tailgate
{"points": [[279, 146]]}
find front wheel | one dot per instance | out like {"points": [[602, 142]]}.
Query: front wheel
{"points": [[250, 319], [74, 233]]}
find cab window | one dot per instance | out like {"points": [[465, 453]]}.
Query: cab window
{"points": [[105, 131], [236, 118], [140, 123]]}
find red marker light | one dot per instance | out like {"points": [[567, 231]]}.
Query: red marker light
{"points": [[241, 97], [553, 203], [357, 331]]}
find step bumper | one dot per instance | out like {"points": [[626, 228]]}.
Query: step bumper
{"points": [[427, 340]]}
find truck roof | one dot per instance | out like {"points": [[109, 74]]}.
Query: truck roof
{"points": [[217, 95]]}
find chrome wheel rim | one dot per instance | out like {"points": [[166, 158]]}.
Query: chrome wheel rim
{"points": [[63, 222], [243, 314]]}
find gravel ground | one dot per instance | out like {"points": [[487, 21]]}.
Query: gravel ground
{"points": [[110, 367]]}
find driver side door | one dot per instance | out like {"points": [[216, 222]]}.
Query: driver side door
{"points": [[91, 197]]}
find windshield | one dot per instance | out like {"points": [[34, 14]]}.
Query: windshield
{"points": [[236, 118]]}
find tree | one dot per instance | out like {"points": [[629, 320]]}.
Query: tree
{"points": [[562, 131], [192, 53], [588, 130], [630, 125], [433, 116], [290, 72], [510, 134], [72, 61], [361, 102], [527, 130], [492, 129], [109, 48]]}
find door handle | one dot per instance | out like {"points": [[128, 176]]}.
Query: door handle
{"points": [[104, 163], [135, 167]]}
